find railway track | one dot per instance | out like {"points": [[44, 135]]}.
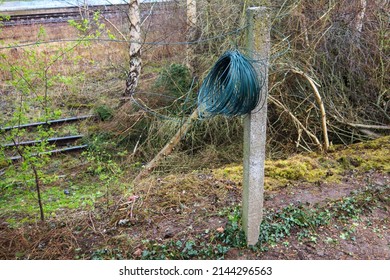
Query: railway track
{"points": [[44, 16], [63, 144], [49, 122], [58, 15], [41, 18]]}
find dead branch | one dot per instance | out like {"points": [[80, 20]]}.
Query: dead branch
{"points": [[320, 104], [367, 126], [168, 148], [294, 118], [116, 28], [370, 133]]}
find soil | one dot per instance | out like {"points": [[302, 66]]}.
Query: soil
{"points": [[119, 233]]}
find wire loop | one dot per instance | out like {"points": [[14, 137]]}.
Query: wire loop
{"points": [[232, 87]]}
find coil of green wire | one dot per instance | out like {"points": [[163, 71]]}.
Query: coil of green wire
{"points": [[232, 88]]}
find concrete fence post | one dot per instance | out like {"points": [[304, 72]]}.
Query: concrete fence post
{"points": [[255, 123]]}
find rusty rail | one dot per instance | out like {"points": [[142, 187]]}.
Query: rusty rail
{"points": [[56, 151], [50, 122], [54, 140]]}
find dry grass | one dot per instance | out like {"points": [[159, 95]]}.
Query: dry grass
{"points": [[325, 44]]}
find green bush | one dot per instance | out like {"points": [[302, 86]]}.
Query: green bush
{"points": [[174, 79], [104, 112]]}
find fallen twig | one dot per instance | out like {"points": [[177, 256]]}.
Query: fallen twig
{"points": [[168, 148], [294, 118], [320, 104]]}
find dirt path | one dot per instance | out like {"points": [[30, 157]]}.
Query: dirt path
{"points": [[364, 237]]}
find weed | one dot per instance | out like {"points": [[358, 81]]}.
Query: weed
{"points": [[280, 224], [104, 254], [104, 112], [33, 81], [277, 225], [331, 240], [174, 79], [233, 235]]}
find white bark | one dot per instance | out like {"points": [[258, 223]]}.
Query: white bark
{"points": [[135, 48], [191, 31], [191, 13], [360, 16]]}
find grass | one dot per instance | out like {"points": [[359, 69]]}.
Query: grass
{"points": [[96, 183], [277, 225], [319, 168], [200, 181], [58, 198], [102, 170]]}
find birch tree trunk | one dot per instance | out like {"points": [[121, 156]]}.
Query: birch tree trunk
{"points": [[360, 17], [191, 32], [135, 48]]}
